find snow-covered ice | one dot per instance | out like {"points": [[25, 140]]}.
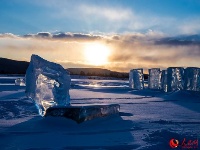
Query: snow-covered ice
{"points": [[148, 119], [136, 79], [47, 84], [192, 79], [154, 78], [175, 78]]}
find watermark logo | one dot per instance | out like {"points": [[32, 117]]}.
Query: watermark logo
{"points": [[173, 143], [190, 144], [184, 144]]}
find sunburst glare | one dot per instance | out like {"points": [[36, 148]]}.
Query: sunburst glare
{"points": [[96, 54]]}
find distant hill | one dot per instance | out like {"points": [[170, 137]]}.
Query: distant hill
{"points": [[8, 66], [97, 72]]}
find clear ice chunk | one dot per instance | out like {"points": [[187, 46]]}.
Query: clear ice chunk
{"points": [[47, 84], [175, 79], [83, 113], [136, 79], [154, 81], [192, 79], [20, 82], [164, 80]]}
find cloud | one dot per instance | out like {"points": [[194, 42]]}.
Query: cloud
{"points": [[109, 17], [8, 35], [133, 50], [39, 35], [145, 51], [74, 36], [190, 25], [180, 40], [63, 36], [108, 13], [175, 42], [103, 17]]}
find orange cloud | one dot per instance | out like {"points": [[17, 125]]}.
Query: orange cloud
{"points": [[127, 51]]}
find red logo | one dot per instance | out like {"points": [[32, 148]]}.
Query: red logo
{"points": [[173, 143], [190, 144], [185, 144]]}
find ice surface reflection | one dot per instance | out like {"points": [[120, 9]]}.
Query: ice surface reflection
{"points": [[100, 83]]}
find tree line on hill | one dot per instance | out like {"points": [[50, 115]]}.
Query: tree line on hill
{"points": [[8, 66], [111, 74]]}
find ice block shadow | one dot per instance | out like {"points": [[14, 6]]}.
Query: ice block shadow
{"points": [[110, 132]]}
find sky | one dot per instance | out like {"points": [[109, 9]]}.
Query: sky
{"points": [[111, 34]]}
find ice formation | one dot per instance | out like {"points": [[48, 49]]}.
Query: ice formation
{"points": [[47, 83], [192, 79], [154, 78], [175, 78], [20, 82], [164, 80], [136, 79], [83, 113]]}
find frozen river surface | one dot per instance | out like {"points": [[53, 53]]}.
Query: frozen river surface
{"points": [[148, 119]]}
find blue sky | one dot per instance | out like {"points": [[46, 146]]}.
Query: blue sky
{"points": [[126, 34], [105, 16]]}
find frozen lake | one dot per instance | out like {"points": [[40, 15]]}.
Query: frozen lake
{"points": [[148, 119]]}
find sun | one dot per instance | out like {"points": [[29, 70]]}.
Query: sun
{"points": [[96, 54]]}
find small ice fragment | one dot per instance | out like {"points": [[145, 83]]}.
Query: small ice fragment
{"points": [[136, 79], [192, 79], [20, 82], [47, 84], [154, 81], [175, 78]]}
